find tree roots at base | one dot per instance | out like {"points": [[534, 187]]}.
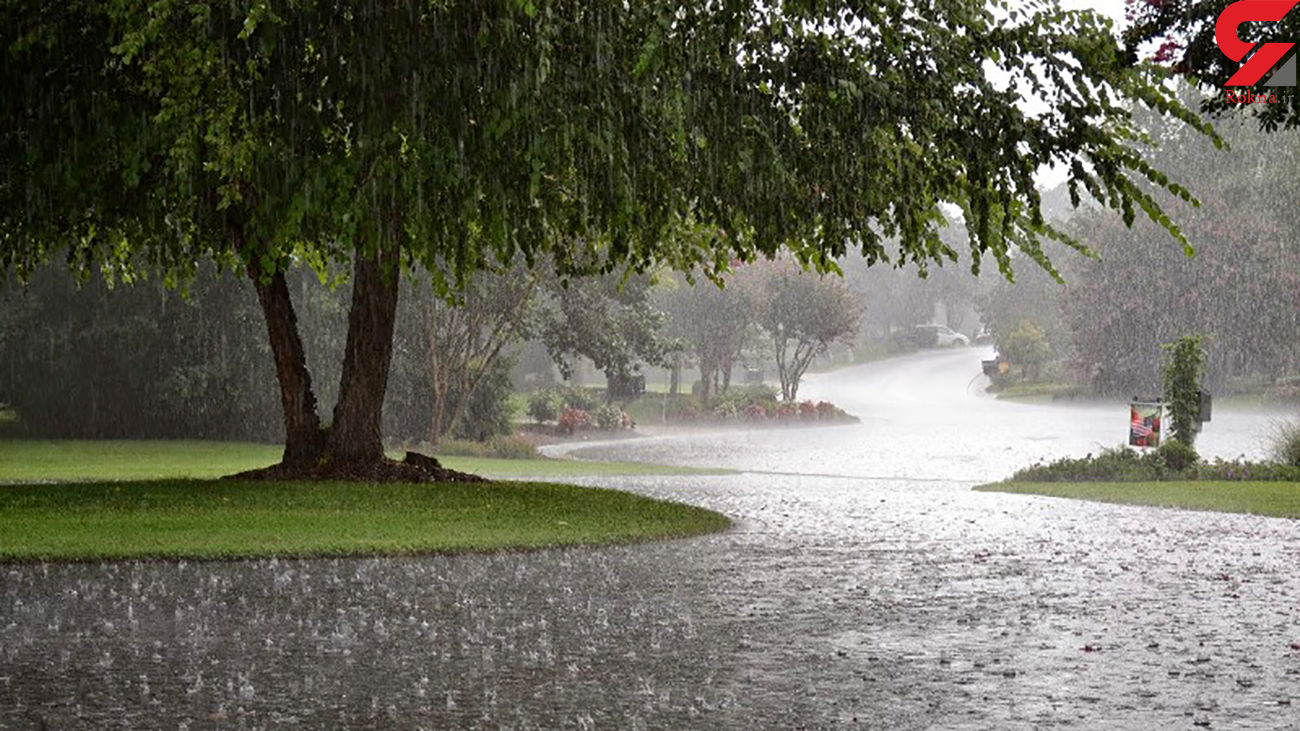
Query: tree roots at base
{"points": [[415, 468]]}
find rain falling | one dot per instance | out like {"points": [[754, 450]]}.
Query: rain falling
{"points": [[521, 364]]}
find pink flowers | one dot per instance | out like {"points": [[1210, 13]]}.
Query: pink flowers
{"points": [[571, 420]]}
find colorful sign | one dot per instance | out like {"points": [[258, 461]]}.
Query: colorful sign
{"points": [[1144, 424]]}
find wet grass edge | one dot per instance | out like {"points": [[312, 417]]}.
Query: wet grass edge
{"points": [[1267, 499], [600, 516], [59, 461]]}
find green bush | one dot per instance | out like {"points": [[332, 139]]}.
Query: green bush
{"points": [[1026, 346], [514, 447], [544, 406], [1238, 469], [608, 417], [577, 397], [488, 413], [1177, 455], [1120, 464], [725, 409], [689, 408], [1286, 443], [1123, 464], [1184, 364], [741, 396], [501, 447]]}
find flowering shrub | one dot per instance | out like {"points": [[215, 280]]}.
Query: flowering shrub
{"points": [[725, 410], [610, 417], [573, 420], [754, 405]]}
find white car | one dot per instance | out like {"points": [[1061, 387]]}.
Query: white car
{"points": [[939, 336]]}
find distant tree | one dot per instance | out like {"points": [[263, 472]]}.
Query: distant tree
{"points": [[445, 135], [464, 339], [713, 320], [1034, 296], [803, 313], [894, 300], [94, 361], [1026, 345], [1242, 285], [611, 320]]}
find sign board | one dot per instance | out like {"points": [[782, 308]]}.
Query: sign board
{"points": [[1144, 423]]}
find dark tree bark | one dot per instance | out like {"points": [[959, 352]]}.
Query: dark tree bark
{"points": [[303, 440], [707, 370], [352, 448], [355, 438]]}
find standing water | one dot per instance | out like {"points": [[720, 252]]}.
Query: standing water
{"points": [[864, 584]]}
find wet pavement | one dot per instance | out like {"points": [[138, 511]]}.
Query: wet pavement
{"points": [[926, 416], [893, 597]]}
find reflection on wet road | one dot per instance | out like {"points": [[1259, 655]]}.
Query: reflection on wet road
{"points": [[891, 602]]}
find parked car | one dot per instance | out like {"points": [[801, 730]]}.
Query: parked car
{"points": [[938, 336]]}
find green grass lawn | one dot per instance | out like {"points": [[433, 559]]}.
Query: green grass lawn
{"points": [[228, 519], [134, 499], [62, 461], [1275, 499], [1044, 392]]}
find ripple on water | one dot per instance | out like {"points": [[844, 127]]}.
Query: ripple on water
{"points": [[896, 604]]}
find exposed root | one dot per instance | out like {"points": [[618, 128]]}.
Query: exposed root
{"points": [[415, 468]]}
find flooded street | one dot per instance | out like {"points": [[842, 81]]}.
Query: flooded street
{"points": [[864, 585], [926, 416]]}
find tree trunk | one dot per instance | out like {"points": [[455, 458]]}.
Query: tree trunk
{"points": [[303, 440], [783, 369], [355, 437]]}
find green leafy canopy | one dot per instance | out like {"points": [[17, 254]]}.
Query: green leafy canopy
{"points": [[599, 134]]}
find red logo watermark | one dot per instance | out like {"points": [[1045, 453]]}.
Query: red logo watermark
{"points": [[1266, 55]]}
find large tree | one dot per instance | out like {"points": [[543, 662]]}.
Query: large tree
{"points": [[600, 133]]}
